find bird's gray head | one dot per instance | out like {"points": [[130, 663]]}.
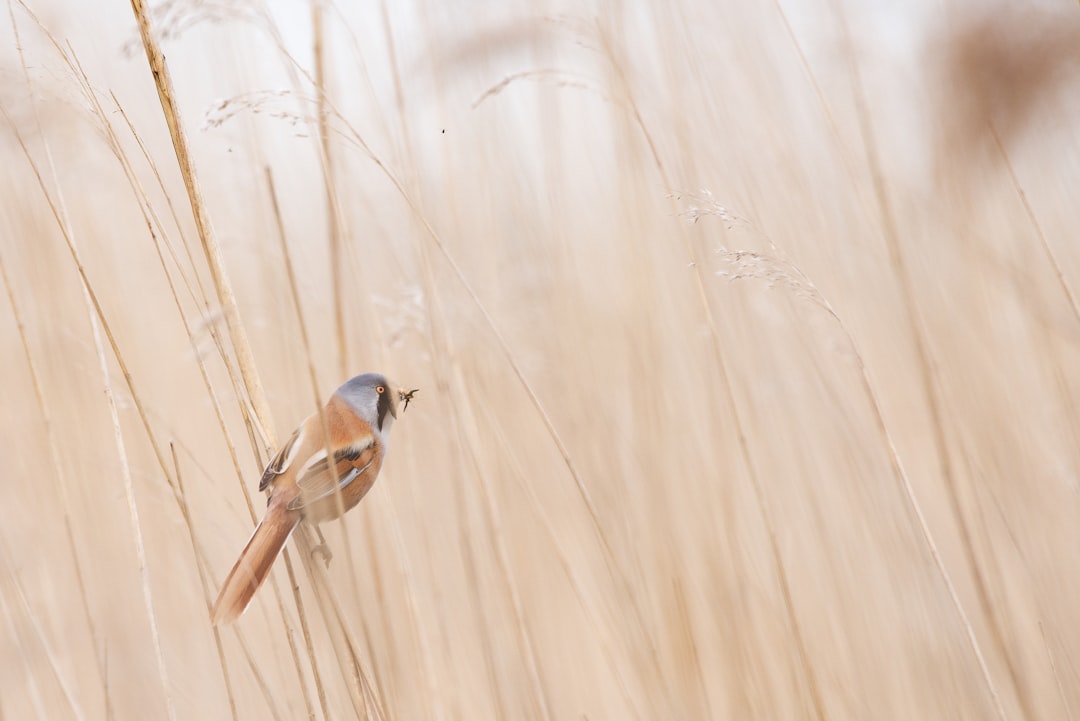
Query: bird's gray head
{"points": [[372, 398]]}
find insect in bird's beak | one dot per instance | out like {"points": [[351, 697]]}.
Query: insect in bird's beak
{"points": [[407, 396]]}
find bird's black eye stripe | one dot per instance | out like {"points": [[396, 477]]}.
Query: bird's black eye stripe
{"points": [[383, 406]]}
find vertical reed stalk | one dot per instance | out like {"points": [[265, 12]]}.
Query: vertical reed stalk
{"points": [[166, 94], [928, 377], [727, 391], [333, 210]]}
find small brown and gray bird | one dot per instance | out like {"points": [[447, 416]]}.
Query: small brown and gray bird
{"points": [[307, 485]]}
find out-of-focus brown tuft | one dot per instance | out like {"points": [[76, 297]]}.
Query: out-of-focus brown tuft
{"points": [[997, 68]]}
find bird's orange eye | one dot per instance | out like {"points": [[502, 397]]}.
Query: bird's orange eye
{"points": [[380, 390]]}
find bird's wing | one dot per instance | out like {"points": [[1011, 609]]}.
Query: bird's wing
{"points": [[320, 478], [280, 462]]}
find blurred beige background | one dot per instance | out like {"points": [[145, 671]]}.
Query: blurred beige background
{"points": [[762, 264]]}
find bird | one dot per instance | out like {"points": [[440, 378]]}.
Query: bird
{"points": [[306, 484]]}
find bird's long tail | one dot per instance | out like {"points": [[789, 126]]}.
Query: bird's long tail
{"points": [[254, 564]]}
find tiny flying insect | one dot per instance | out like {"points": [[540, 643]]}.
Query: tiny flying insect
{"points": [[407, 396]]}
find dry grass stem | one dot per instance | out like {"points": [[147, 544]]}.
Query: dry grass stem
{"points": [[615, 661], [97, 317], [211, 249], [266, 690], [471, 442], [553, 76], [365, 704], [33, 691], [136, 525], [1066, 287], [54, 462], [46, 647], [1057, 676], [208, 593], [318, 404], [772, 271], [725, 386], [931, 384], [39, 391], [309, 646], [333, 210]]}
